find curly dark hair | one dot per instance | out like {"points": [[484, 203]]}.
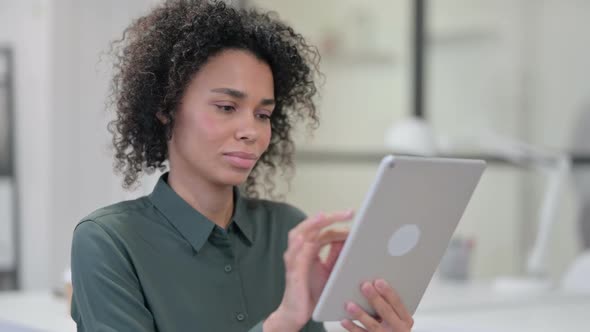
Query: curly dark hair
{"points": [[157, 57]]}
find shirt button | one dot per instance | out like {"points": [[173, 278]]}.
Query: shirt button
{"points": [[240, 317], [227, 268]]}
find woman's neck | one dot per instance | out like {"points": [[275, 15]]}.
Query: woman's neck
{"points": [[214, 202]]}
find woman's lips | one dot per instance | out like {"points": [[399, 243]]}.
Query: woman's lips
{"points": [[241, 160]]}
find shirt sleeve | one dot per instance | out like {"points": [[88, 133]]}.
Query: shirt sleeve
{"points": [[107, 296], [257, 327], [311, 326]]}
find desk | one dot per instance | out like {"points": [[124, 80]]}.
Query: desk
{"points": [[556, 314], [35, 311], [458, 308], [476, 307]]}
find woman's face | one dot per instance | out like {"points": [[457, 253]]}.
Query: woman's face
{"points": [[222, 125]]}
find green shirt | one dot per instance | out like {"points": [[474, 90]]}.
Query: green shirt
{"points": [[157, 264]]}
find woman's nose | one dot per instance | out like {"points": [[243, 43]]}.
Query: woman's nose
{"points": [[247, 130]]}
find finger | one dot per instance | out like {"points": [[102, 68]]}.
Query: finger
{"points": [[394, 300], [301, 230], [333, 254], [305, 257], [331, 235], [382, 307], [309, 223], [357, 313], [320, 221], [351, 326], [326, 236], [290, 254]]}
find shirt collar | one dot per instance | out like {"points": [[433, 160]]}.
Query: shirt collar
{"points": [[241, 217], [192, 225]]}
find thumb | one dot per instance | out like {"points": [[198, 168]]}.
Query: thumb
{"points": [[335, 249]]}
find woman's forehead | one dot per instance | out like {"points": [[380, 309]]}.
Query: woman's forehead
{"points": [[236, 70]]}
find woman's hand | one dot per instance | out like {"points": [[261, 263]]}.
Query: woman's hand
{"points": [[305, 273], [391, 312]]}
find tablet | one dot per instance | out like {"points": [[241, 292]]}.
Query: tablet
{"points": [[401, 231]]}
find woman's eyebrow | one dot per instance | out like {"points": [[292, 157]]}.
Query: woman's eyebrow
{"points": [[242, 95], [231, 92], [267, 102]]}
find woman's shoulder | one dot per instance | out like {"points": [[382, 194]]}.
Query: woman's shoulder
{"points": [[276, 210], [118, 215], [102, 235], [119, 208]]}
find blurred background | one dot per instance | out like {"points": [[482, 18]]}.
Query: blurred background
{"points": [[502, 80]]}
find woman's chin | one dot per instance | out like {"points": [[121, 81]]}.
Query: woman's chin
{"points": [[234, 178]]}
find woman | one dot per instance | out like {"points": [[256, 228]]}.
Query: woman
{"points": [[211, 93]]}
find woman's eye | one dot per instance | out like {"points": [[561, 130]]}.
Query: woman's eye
{"points": [[264, 116], [225, 108]]}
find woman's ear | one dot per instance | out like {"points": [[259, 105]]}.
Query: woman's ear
{"points": [[164, 119]]}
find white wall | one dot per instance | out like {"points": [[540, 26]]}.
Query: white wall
{"points": [[25, 25], [560, 93], [560, 56]]}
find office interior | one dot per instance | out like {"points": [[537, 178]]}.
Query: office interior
{"points": [[500, 80]]}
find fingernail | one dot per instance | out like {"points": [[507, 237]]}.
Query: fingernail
{"points": [[381, 284], [345, 323], [351, 308], [367, 289]]}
